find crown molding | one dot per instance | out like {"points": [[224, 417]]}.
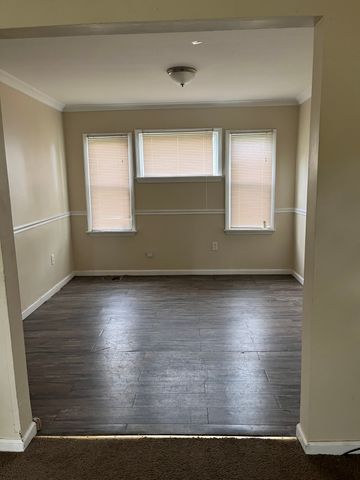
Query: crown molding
{"points": [[304, 95], [32, 92], [166, 106]]}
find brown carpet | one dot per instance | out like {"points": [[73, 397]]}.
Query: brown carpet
{"points": [[173, 459]]}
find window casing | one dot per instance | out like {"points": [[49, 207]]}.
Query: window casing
{"points": [[109, 182], [178, 154], [250, 181]]}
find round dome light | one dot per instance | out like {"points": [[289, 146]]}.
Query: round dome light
{"points": [[181, 75]]}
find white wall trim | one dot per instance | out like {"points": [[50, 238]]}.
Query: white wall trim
{"points": [[31, 308], [304, 95], [18, 445], [280, 102], [78, 213], [298, 277], [161, 272], [32, 92], [27, 89], [187, 211], [284, 210], [201, 211], [153, 272], [325, 448], [39, 223]]}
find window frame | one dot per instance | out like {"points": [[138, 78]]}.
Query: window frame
{"points": [[228, 227], [217, 157], [90, 229]]}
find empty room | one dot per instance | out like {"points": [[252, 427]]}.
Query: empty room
{"points": [[158, 193], [179, 253]]}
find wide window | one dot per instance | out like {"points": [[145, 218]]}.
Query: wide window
{"points": [[178, 153], [250, 180], [109, 182]]}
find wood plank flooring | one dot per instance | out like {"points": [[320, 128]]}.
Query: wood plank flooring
{"points": [[160, 355]]}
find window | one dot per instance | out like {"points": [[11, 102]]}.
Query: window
{"points": [[108, 168], [178, 153], [250, 180]]}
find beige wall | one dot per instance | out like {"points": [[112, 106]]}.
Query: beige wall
{"points": [[15, 411], [302, 165], [38, 190], [183, 241]]}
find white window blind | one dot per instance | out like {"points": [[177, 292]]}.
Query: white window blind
{"points": [[178, 153], [109, 182], [250, 180]]}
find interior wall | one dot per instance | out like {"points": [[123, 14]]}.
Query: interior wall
{"points": [[301, 179], [15, 410], [183, 242], [38, 191]]}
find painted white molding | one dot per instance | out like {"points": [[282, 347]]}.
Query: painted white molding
{"points": [[78, 213], [300, 211], [188, 211], [39, 223], [18, 445], [201, 211], [298, 277], [162, 272], [42, 97], [284, 210], [180, 179], [31, 308], [32, 92], [325, 448], [304, 95], [166, 106]]}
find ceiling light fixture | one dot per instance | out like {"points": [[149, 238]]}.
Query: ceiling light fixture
{"points": [[196, 42], [181, 75]]}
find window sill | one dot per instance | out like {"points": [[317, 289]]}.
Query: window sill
{"points": [[199, 179], [249, 231], [111, 233]]}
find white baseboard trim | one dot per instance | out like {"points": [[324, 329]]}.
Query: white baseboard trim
{"points": [[30, 309], [156, 272], [18, 445], [325, 448], [298, 277], [230, 271]]}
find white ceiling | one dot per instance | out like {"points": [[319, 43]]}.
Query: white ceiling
{"points": [[242, 65]]}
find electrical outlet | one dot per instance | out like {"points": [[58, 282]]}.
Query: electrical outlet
{"points": [[52, 259], [149, 254], [214, 246]]}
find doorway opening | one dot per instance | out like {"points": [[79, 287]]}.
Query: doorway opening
{"points": [[177, 326]]}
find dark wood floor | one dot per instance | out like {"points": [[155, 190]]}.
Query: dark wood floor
{"points": [[181, 355]]}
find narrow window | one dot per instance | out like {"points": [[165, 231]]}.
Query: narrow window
{"points": [[178, 153], [250, 180], [109, 183]]}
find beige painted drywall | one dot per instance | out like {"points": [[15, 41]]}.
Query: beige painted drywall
{"points": [[183, 241], [34, 147], [330, 395], [15, 411], [301, 178]]}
